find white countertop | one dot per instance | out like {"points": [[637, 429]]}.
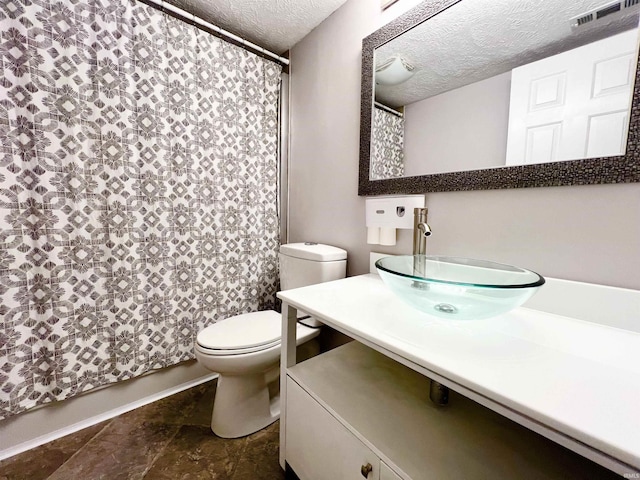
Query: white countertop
{"points": [[576, 378]]}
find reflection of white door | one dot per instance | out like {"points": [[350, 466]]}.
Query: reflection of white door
{"points": [[574, 104]]}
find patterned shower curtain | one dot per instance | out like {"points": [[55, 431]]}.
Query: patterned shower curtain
{"points": [[387, 145], [138, 190]]}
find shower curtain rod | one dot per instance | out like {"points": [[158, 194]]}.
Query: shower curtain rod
{"points": [[190, 17], [388, 109]]}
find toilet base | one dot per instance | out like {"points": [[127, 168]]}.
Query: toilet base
{"points": [[245, 404], [248, 402]]}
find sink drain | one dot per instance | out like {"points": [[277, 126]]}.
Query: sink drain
{"points": [[446, 308]]}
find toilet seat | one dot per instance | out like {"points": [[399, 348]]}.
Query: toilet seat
{"points": [[246, 333]]}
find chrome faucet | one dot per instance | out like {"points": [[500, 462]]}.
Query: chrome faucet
{"points": [[438, 393], [421, 230]]}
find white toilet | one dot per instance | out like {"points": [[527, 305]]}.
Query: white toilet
{"points": [[245, 350]]}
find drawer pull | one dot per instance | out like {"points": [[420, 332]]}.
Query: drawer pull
{"points": [[365, 470]]}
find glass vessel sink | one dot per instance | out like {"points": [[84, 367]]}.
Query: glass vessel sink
{"points": [[458, 288]]}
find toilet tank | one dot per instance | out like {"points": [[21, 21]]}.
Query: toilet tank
{"points": [[308, 263]]}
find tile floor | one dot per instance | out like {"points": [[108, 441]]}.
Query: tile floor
{"points": [[167, 439]]}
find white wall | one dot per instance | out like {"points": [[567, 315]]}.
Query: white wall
{"points": [[477, 114], [585, 233], [324, 138]]}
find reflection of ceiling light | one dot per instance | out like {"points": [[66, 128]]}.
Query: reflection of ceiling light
{"points": [[394, 71]]}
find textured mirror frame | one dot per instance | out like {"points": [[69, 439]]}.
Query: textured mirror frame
{"points": [[619, 169]]}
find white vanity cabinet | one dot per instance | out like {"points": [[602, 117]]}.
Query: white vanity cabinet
{"points": [[528, 397], [353, 413], [387, 474]]}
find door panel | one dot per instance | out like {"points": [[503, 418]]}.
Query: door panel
{"points": [[573, 105], [607, 133], [542, 143]]}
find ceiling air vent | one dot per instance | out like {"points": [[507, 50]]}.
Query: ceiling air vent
{"points": [[616, 7], [619, 6], [583, 19]]}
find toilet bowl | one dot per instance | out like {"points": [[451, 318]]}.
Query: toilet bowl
{"points": [[245, 401], [245, 349]]}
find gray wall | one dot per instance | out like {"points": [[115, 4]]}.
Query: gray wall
{"points": [[462, 129], [585, 233]]}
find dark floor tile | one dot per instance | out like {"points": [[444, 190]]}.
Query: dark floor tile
{"points": [[196, 453], [123, 450], [171, 410], [168, 439], [202, 409], [42, 461], [259, 460]]}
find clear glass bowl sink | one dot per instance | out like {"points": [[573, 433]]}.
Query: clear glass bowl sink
{"points": [[458, 288]]}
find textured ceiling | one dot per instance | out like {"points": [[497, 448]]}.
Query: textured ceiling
{"points": [[477, 39], [276, 25]]}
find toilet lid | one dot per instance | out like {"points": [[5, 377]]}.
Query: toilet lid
{"points": [[243, 331]]}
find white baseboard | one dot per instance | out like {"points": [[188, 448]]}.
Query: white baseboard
{"points": [[50, 422]]}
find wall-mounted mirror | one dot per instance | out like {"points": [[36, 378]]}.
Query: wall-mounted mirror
{"points": [[484, 94]]}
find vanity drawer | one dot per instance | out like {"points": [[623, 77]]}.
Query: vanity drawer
{"points": [[387, 474], [319, 447]]}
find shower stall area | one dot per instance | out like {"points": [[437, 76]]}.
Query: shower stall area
{"points": [[139, 193]]}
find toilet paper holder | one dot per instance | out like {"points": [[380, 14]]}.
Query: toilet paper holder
{"points": [[386, 214]]}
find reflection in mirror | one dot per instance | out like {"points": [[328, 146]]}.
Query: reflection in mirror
{"points": [[491, 83], [387, 143]]}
